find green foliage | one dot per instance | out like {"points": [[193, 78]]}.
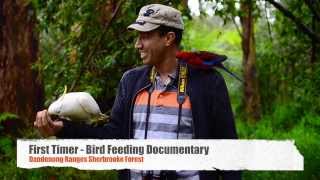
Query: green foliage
{"points": [[5, 147], [86, 45], [289, 86], [209, 34], [286, 73], [303, 132], [6, 115], [311, 120], [286, 115], [79, 47], [284, 68], [11, 171]]}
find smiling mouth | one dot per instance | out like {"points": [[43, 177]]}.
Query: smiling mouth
{"points": [[143, 55]]}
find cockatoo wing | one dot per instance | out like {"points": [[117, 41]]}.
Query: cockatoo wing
{"points": [[88, 104], [75, 106], [56, 106]]}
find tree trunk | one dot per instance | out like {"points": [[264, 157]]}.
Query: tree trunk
{"points": [[251, 98], [21, 90]]}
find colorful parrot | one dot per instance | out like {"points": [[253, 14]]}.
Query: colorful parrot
{"points": [[205, 60]]}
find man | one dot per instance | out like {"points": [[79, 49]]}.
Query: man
{"points": [[164, 99]]}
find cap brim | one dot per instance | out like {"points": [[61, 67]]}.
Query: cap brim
{"points": [[143, 28]]}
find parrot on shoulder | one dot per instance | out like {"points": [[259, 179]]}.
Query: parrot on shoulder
{"points": [[205, 60]]}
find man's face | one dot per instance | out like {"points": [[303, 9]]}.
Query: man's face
{"points": [[151, 47]]}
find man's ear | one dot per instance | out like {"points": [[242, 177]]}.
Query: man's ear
{"points": [[170, 38]]}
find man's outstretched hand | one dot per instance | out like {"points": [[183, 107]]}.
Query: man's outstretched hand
{"points": [[46, 125]]}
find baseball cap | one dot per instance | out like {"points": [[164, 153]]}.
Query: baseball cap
{"points": [[154, 15]]}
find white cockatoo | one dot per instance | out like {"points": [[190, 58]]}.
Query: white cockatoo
{"points": [[77, 106]]}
